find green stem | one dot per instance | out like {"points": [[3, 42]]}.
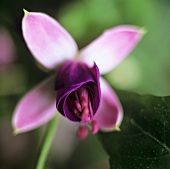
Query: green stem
{"points": [[47, 143]]}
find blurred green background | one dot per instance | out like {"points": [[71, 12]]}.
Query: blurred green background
{"points": [[146, 70]]}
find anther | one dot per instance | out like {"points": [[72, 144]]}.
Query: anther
{"points": [[77, 113], [82, 132], [95, 127]]}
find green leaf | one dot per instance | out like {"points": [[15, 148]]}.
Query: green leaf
{"points": [[144, 139]]}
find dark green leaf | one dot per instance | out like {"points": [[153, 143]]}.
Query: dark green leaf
{"points": [[144, 139]]}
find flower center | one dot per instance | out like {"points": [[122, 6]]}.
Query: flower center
{"points": [[82, 105]]}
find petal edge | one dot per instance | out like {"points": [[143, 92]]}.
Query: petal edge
{"points": [[35, 108], [110, 113], [109, 49], [48, 41]]}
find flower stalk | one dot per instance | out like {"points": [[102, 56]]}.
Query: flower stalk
{"points": [[46, 142]]}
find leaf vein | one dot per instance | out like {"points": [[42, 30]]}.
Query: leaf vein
{"points": [[151, 136]]}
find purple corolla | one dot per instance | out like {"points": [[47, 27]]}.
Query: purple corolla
{"points": [[75, 89]]}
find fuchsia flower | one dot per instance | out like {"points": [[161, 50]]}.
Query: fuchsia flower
{"points": [[76, 89]]}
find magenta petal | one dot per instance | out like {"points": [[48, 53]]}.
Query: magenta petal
{"points": [[48, 41], [109, 115], [108, 50], [35, 108]]}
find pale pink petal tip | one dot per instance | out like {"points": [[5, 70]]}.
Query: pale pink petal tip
{"points": [[109, 49], [36, 108], [48, 41], [25, 12], [110, 113]]}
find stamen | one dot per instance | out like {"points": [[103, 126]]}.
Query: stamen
{"points": [[77, 113], [85, 111], [78, 105], [82, 105], [82, 132], [84, 93], [77, 98], [95, 127], [90, 108], [83, 101], [85, 115]]}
